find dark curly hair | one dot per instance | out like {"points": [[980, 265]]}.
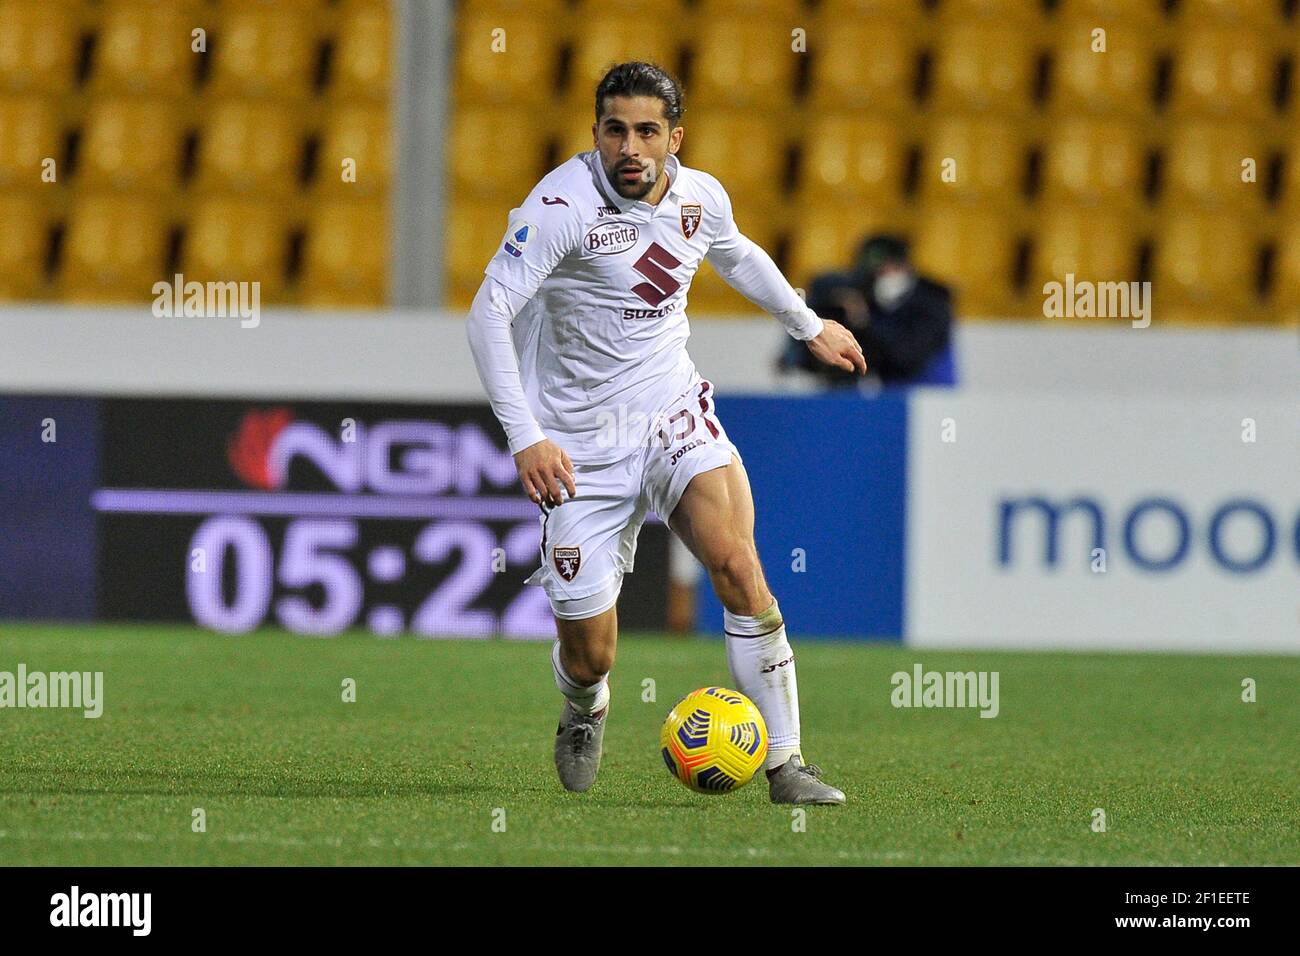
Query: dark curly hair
{"points": [[637, 78]]}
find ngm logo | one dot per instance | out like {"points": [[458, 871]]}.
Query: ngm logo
{"points": [[406, 457], [1158, 534]]}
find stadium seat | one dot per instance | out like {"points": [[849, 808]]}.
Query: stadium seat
{"points": [[146, 48], [604, 41], [29, 134], [524, 71], [114, 251], [237, 240], [980, 65], [1095, 160], [474, 230], [711, 9], [1286, 266], [1225, 71], [990, 155], [746, 152], [362, 134], [131, 144], [844, 78], [39, 43], [905, 11], [1205, 259], [1203, 165], [973, 249], [850, 157], [1093, 245], [825, 237], [508, 132], [1119, 80], [364, 53], [744, 62], [510, 10], [709, 292], [264, 50], [954, 11], [1145, 13], [250, 146], [23, 243], [1260, 13], [346, 255]]}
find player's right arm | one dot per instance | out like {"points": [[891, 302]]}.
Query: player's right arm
{"points": [[541, 233]]}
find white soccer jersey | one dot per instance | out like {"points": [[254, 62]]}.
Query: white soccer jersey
{"points": [[601, 340]]}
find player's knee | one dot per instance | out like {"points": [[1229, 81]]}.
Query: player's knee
{"points": [[736, 562], [590, 665]]}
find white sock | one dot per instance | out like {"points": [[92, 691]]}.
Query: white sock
{"points": [[762, 665], [585, 700]]}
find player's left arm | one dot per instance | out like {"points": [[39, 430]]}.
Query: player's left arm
{"points": [[751, 272]]}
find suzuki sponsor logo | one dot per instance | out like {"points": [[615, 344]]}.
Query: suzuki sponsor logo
{"points": [[1157, 533]]}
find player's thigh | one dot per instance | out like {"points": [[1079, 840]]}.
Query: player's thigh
{"points": [[716, 511]]}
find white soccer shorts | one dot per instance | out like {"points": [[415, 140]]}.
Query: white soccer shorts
{"points": [[589, 542]]}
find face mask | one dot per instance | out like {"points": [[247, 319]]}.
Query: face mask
{"points": [[891, 287]]}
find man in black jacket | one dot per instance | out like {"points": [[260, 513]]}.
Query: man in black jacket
{"points": [[902, 320]]}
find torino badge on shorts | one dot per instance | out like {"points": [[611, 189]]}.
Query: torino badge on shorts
{"points": [[567, 562]]}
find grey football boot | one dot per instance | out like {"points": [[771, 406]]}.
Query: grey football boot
{"points": [[577, 747], [792, 782]]}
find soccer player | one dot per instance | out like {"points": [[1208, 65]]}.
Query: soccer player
{"points": [[579, 336]]}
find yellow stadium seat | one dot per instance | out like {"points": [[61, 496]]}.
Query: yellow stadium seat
{"points": [[237, 240], [1095, 160], [971, 248], [826, 237], [1092, 245], [989, 154], [1118, 79], [132, 144], [23, 243], [906, 11], [360, 134], [959, 10], [496, 151], [146, 48], [264, 50], [114, 251], [1263, 13], [1291, 168], [744, 150], [474, 230], [1225, 71], [250, 146], [1204, 259], [604, 41], [30, 134], [744, 62], [364, 53], [860, 64], [852, 156], [346, 256], [711, 9], [39, 42], [1203, 163], [506, 60], [510, 10], [984, 65], [1145, 13], [571, 123], [1286, 266]]}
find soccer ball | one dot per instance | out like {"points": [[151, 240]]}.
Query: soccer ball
{"points": [[714, 740]]}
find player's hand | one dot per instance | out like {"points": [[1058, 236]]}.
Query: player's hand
{"points": [[836, 346], [543, 468]]}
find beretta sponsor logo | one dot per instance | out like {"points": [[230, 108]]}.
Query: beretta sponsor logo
{"points": [[610, 238]]}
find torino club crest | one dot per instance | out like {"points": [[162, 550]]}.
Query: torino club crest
{"points": [[567, 561], [692, 213]]}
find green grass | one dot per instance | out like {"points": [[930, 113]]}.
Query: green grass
{"points": [[253, 730]]}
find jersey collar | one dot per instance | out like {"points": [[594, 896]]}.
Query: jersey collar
{"points": [[672, 169]]}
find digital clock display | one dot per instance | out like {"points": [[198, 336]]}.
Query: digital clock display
{"points": [[323, 517]]}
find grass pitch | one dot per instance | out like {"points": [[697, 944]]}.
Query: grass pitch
{"points": [[445, 735]]}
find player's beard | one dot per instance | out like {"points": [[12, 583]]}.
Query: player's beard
{"points": [[637, 190]]}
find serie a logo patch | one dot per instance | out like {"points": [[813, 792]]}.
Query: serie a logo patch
{"points": [[517, 236], [567, 562]]}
